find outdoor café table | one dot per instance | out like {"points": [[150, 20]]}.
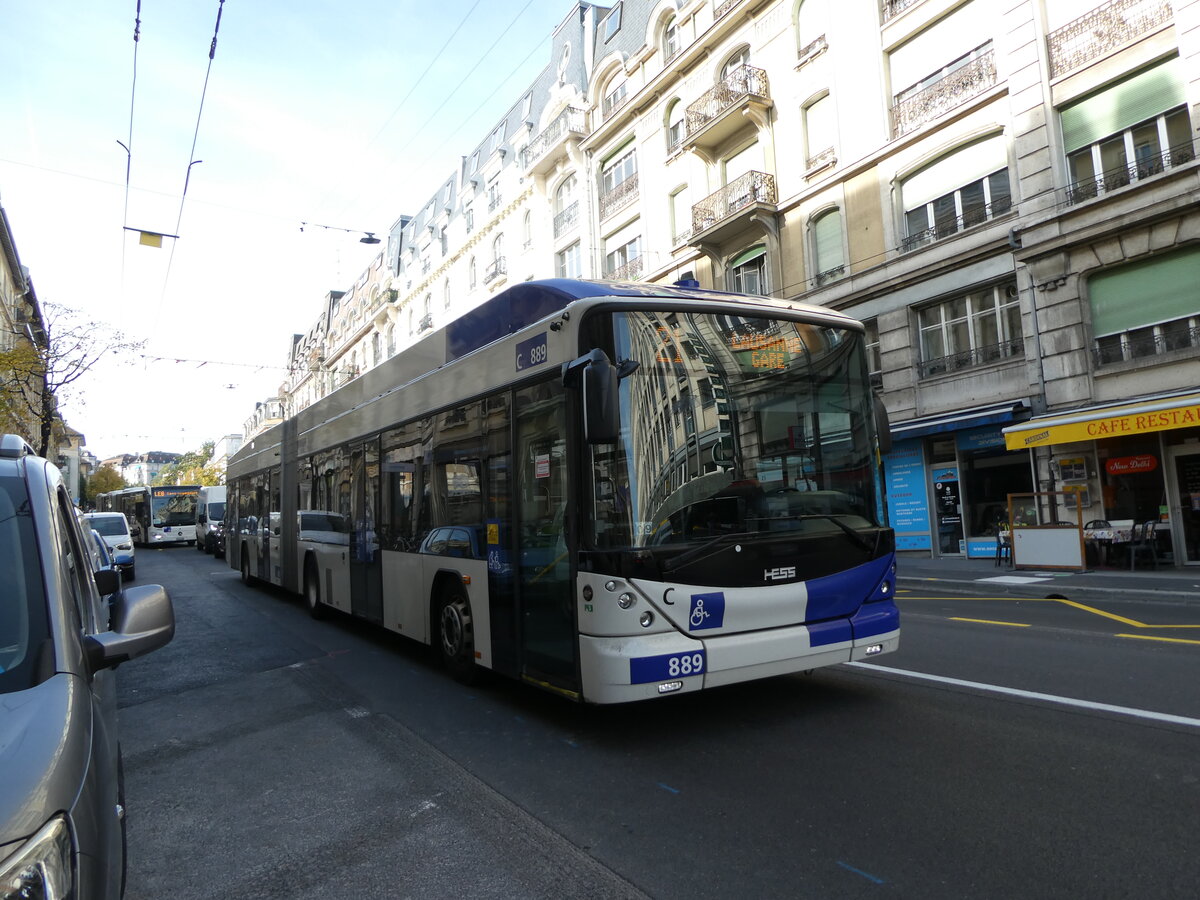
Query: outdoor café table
{"points": [[1104, 538]]}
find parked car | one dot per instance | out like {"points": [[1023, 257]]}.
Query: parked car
{"points": [[62, 827], [114, 528]]}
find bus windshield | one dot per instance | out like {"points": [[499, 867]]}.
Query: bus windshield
{"points": [[172, 506], [735, 427]]}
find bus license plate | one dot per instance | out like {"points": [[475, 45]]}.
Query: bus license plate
{"points": [[644, 669]]}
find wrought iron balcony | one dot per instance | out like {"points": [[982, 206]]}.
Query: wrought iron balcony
{"points": [[567, 124], [1143, 343], [893, 8], [724, 8], [426, 323], [619, 197], [495, 269], [682, 237], [742, 83], [630, 271], [831, 274], [1119, 177], [566, 220], [956, 87], [968, 359], [742, 192], [812, 50], [1101, 30], [819, 161], [947, 227]]}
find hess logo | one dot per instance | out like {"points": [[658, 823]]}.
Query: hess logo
{"points": [[783, 573]]}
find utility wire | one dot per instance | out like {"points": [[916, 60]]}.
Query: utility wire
{"points": [[212, 52], [137, 33]]}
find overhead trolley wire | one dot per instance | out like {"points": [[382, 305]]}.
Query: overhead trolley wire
{"points": [[137, 33]]}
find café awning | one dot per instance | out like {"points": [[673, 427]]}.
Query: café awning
{"points": [[1097, 423]]}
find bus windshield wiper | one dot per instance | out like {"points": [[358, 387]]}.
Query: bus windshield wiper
{"points": [[850, 532], [697, 553]]}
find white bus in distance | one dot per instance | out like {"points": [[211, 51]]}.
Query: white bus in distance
{"points": [[611, 491]]}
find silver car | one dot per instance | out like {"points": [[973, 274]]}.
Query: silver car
{"points": [[61, 793]]}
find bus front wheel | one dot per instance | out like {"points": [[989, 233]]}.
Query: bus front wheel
{"points": [[457, 635]]}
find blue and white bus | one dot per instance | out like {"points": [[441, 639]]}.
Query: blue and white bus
{"points": [[611, 491], [158, 515]]}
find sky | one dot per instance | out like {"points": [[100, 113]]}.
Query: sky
{"points": [[320, 111]]}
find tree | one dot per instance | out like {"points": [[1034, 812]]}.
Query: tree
{"points": [[191, 468], [39, 375], [103, 480]]}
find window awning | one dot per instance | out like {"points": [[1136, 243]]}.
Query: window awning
{"points": [[1151, 414], [963, 418]]}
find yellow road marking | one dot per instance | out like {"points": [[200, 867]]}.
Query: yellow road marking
{"points": [[1133, 623], [1150, 637], [988, 622]]}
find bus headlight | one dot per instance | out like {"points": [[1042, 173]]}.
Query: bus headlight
{"points": [[625, 600]]}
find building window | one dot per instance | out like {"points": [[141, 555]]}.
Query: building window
{"points": [[469, 220], [819, 133], [676, 125], [498, 247], [670, 39], [741, 58], [623, 262], [874, 357], [616, 94], [526, 106], [1132, 130], [810, 18], [748, 271], [527, 230], [493, 193], [618, 183], [443, 240], [471, 274], [612, 23], [376, 348], [681, 215], [1164, 317], [567, 263], [566, 207], [391, 341], [829, 261], [975, 329], [446, 293], [959, 190]]}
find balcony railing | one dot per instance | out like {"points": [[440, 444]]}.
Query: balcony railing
{"points": [[682, 237], [813, 49], [893, 8], [753, 187], [613, 102], [1119, 177], [819, 161], [630, 271], [967, 359], [494, 200], [947, 227], [566, 220], [1101, 30], [566, 123], [495, 269], [426, 323], [744, 81], [957, 86], [1137, 345], [619, 197], [831, 274]]}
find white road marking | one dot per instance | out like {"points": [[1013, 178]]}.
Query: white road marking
{"points": [[1035, 695], [1013, 579]]}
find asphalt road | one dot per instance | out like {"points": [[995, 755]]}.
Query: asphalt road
{"points": [[1011, 748]]}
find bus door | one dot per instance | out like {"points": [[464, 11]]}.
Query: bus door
{"points": [[262, 492], [548, 638], [366, 562]]}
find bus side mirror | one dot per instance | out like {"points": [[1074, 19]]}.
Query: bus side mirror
{"points": [[883, 427], [601, 413]]}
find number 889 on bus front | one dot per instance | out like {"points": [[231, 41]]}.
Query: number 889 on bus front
{"points": [[644, 669]]}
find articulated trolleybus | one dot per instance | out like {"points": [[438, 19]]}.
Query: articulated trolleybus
{"points": [[160, 514], [612, 491]]}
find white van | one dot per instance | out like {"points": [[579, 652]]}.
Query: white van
{"points": [[210, 520]]}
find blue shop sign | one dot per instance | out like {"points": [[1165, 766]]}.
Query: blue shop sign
{"points": [[907, 498]]}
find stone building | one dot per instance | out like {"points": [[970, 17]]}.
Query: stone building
{"points": [[1004, 191]]}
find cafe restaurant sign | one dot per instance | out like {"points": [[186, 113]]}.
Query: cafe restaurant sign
{"points": [[1099, 424], [1131, 465]]}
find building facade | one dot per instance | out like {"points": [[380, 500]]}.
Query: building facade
{"points": [[1004, 191]]}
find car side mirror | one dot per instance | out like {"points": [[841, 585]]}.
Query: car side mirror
{"points": [[142, 620]]}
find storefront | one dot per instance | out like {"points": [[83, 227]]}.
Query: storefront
{"points": [[948, 479], [1137, 461]]}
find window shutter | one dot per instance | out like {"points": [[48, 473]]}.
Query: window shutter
{"points": [[940, 44], [1144, 293], [1137, 98], [749, 256], [827, 241]]}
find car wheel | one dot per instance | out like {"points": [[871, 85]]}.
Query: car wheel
{"points": [[457, 635], [129, 574], [312, 592]]}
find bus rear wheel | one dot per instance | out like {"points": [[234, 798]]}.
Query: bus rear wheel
{"points": [[312, 592], [457, 635]]}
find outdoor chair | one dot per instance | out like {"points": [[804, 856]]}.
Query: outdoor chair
{"points": [[1003, 547], [1143, 543]]}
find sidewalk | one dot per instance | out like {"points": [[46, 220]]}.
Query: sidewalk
{"points": [[979, 576]]}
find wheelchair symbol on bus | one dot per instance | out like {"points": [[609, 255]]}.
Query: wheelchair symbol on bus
{"points": [[708, 611]]}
